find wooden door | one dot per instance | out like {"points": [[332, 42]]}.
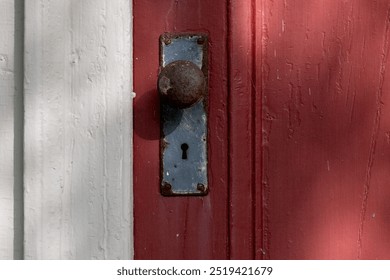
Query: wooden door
{"points": [[326, 147], [298, 131], [178, 227]]}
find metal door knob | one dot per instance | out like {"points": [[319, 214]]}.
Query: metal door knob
{"points": [[181, 84]]}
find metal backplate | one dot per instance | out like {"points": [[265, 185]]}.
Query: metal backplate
{"points": [[184, 131]]}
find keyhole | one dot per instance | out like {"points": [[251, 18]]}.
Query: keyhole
{"points": [[184, 148]]}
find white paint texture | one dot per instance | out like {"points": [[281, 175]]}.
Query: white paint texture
{"points": [[6, 129], [78, 166], [10, 132]]}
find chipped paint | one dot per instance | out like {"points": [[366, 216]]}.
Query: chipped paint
{"points": [[325, 151]]}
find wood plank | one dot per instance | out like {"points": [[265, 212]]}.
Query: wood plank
{"points": [[11, 130], [259, 213], [179, 227], [326, 129], [78, 130], [242, 132]]}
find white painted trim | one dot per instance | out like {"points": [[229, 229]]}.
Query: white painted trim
{"points": [[6, 129], [78, 129]]}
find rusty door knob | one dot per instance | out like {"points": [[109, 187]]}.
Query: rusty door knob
{"points": [[181, 84]]}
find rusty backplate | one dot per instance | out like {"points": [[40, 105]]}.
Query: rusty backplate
{"points": [[184, 130]]}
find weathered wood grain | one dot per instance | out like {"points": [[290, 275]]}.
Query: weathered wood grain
{"points": [[179, 227], [78, 130], [326, 129]]}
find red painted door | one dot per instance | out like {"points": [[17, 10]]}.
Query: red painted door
{"points": [[326, 145], [178, 227], [298, 129]]}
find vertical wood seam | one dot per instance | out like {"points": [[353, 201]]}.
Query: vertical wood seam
{"points": [[228, 108], [241, 140], [253, 124]]}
